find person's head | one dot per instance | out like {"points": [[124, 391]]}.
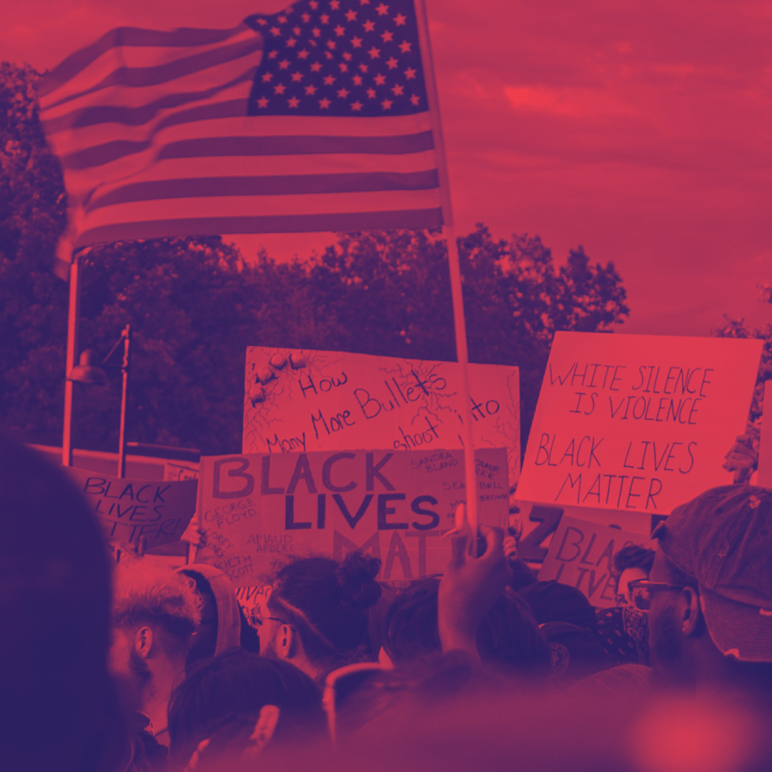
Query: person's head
{"points": [[58, 700], [155, 613], [555, 602], [220, 627], [508, 634], [630, 563], [228, 694], [576, 653], [318, 611], [709, 594]]}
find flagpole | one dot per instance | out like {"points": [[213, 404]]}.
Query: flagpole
{"points": [[462, 352], [72, 349]]}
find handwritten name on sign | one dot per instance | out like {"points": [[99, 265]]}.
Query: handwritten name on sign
{"points": [[297, 401], [258, 509], [636, 422], [581, 554], [129, 509]]}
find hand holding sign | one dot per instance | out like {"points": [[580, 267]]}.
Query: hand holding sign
{"points": [[469, 587]]}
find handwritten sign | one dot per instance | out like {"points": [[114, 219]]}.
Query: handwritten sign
{"points": [[636, 422], [581, 554], [297, 401], [258, 509], [129, 509], [253, 601]]}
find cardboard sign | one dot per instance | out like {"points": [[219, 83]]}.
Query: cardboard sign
{"points": [[129, 509], [636, 422], [253, 602], [256, 510], [297, 401], [581, 554]]}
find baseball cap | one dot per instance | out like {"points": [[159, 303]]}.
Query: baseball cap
{"points": [[723, 538]]}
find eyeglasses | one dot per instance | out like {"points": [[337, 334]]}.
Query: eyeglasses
{"points": [[641, 590]]}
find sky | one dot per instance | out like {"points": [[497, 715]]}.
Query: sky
{"points": [[639, 130]]}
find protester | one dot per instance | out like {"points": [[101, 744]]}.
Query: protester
{"points": [[575, 653], [709, 593], [631, 562], [318, 612], [59, 707], [508, 633], [155, 612], [220, 627], [555, 602], [234, 704]]}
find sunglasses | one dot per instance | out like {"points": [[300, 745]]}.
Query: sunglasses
{"points": [[641, 591]]}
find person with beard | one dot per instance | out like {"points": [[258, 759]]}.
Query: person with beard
{"points": [[155, 612], [317, 613], [709, 594]]}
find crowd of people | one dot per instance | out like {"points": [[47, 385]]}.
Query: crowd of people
{"points": [[132, 666]]}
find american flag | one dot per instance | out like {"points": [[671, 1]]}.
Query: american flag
{"points": [[311, 119]]}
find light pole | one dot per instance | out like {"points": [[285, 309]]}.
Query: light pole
{"points": [[89, 372]]}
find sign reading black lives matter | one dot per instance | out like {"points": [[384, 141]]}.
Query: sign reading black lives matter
{"points": [[636, 422], [129, 509], [258, 509], [296, 401]]}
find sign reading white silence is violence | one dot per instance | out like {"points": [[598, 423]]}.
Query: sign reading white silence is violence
{"points": [[129, 509], [322, 400], [258, 509], [636, 422]]}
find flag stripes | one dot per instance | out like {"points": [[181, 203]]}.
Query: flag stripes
{"points": [[155, 137]]}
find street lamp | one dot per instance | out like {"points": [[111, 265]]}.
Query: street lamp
{"points": [[87, 371]]}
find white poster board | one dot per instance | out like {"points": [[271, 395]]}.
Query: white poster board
{"points": [[303, 400], [258, 509], [637, 422], [129, 509]]}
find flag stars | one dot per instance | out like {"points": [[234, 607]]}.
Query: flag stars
{"points": [[363, 67], [382, 9], [387, 103], [262, 102], [357, 80], [316, 66], [343, 93], [284, 64], [392, 63], [343, 66], [340, 31], [399, 19], [356, 42], [410, 73], [324, 103], [398, 90], [291, 42], [325, 18], [414, 99], [329, 80], [351, 15], [331, 44], [369, 26], [328, 54], [334, 5], [314, 4], [279, 88], [306, 18], [404, 46], [273, 54], [356, 105], [262, 22], [282, 19], [379, 79], [387, 36], [303, 54], [267, 76], [275, 31], [293, 102], [296, 31], [296, 76], [374, 52], [316, 32], [310, 90], [371, 93], [364, 2]]}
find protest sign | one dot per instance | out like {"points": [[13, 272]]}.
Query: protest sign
{"points": [[297, 401], [252, 600], [258, 509], [129, 509], [581, 554], [636, 422]]}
